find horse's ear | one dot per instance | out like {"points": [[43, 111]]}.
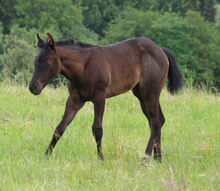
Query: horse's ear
{"points": [[50, 40], [39, 41]]}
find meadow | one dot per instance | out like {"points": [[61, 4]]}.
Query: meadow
{"points": [[190, 143]]}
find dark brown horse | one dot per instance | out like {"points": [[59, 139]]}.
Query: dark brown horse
{"points": [[99, 72]]}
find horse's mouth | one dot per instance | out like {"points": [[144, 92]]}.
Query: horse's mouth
{"points": [[36, 92], [36, 88]]}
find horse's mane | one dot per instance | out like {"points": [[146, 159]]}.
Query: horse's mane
{"points": [[73, 43]]}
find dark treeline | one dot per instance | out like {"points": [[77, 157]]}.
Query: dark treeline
{"points": [[189, 28]]}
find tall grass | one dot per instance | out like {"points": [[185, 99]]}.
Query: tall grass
{"points": [[190, 143]]}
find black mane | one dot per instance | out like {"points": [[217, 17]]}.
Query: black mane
{"points": [[74, 43]]}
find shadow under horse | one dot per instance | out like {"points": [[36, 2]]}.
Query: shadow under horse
{"points": [[99, 72]]}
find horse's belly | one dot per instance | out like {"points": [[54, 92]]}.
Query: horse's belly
{"points": [[119, 86]]}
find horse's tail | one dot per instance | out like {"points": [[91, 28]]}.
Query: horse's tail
{"points": [[174, 76]]}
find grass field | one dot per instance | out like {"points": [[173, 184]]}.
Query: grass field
{"points": [[190, 144]]}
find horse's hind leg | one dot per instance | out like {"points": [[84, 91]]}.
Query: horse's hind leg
{"points": [[156, 120], [151, 108], [72, 107], [99, 106], [157, 146]]}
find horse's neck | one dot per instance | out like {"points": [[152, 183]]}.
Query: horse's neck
{"points": [[72, 63]]}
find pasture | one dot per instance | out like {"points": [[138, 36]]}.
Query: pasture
{"points": [[190, 143]]}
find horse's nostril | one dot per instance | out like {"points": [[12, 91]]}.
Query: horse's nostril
{"points": [[33, 88]]}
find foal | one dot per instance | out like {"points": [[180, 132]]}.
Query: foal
{"points": [[99, 72]]}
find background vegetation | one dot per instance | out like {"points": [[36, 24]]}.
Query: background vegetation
{"points": [[191, 29]]}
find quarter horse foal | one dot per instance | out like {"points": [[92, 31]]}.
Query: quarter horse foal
{"points": [[99, 72]]}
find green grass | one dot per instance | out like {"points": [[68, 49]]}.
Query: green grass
{"points": [[190, 143]]}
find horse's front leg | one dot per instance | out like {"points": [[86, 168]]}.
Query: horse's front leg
{"points": [[73, 105], [99, 106]]}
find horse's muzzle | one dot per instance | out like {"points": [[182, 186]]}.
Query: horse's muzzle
{"points": [[35, 87]]}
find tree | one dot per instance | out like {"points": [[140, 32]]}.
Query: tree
{"points": [[205, 45], [208, 9], [97, 13], [41, 14], [205, 7], [7, 13], [130, 23]]}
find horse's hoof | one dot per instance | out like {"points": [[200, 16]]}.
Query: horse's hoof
{"points": [[48, 152], [101, 157], [158, 160], [145, 160]]}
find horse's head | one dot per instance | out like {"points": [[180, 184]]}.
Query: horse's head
{"points": [[47, 64]]}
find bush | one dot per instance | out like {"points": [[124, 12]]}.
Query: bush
{"points": [[18, 55]]}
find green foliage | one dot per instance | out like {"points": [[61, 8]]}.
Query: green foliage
{"points": [[7, 13], [208, 10], [80, 32], [131, 23], [205, 7], [42, 14], [217, 19], [204, 44], [18, 55], [177, 6], [97, 14]]}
